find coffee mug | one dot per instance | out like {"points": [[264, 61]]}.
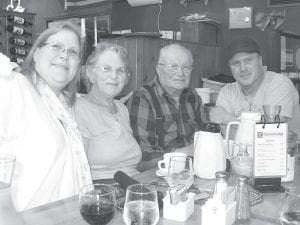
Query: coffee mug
{"points": [[163, 164]]}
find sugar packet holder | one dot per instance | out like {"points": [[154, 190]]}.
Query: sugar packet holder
{"points": [[215, 211], [180, 211]]}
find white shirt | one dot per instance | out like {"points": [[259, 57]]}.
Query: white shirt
{"points": [[48, 167], [275, 89]]}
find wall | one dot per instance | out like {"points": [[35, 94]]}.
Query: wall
{"points": [[144, 18], [43, 9]]}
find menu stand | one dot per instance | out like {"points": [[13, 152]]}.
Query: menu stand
{"points": [[270, 142]]}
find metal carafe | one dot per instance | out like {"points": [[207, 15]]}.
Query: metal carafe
{"points": [[209, 155], [245, 130]]}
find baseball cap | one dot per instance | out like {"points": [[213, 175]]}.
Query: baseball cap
{"points": [[243, 44]]}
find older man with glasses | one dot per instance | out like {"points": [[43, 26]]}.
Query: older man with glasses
{"points": [[165, 113]]}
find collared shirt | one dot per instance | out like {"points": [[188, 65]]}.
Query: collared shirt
{"points": [[180, 121]]}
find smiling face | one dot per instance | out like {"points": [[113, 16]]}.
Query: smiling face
{"points": [[108, 74], [58, 66], [247, 69], [174, 69]]}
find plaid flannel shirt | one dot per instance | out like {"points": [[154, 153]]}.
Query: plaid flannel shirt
{"points": [[180, 122]]}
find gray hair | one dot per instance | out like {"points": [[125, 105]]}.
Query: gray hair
{"points": [[104, 46], [164, 50]]}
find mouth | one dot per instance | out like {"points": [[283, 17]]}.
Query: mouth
{"points": [[112, 84], [245, 76], [62, 66], [179, 79]]}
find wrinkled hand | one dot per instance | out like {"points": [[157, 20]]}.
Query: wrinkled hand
{"points": [[219, 115], [126, 97]]}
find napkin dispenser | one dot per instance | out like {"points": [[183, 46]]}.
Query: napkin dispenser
{"points": [[215, 211]]}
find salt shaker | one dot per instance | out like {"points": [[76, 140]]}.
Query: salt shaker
{"points": [[242, 198], [242, 162], [221, 185]]}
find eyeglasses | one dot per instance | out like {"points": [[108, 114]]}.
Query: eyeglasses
{"points": [[120, 71], [175, 67], [58, 48]]}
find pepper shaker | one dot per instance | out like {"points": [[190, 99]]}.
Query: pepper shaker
{"points": [[242, 198]]}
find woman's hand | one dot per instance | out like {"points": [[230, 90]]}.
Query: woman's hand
{"points": [[6, 66]]}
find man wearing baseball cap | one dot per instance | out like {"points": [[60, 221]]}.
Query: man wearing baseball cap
{"points": [[254, 87]]}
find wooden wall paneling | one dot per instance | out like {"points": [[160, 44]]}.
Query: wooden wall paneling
{"points": [[149, 51], [130, 45], [143, 53]]}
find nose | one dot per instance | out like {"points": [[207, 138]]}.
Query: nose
{"points": [[63, 53], [243, 66], [113, 74]]}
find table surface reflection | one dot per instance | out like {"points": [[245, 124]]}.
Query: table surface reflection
{"points": [[67, 211]]}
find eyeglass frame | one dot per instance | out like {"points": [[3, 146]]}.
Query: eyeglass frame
{"points": [[185, 69], [118, 70], [62, 48]]}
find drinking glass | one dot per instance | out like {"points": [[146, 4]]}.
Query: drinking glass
{"points": [[97, 203], [141, 205], [290, 212], [271, 112], [180, 171], [8, 212], [7, 165]]}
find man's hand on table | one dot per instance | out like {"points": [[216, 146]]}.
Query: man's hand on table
{"points": [[219, 115], [189, 150]]}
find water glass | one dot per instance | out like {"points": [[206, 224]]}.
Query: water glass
{"points": [[180, 171], [271, 112], [141, 205], [7, 165], [97, 203], [290, 212]]}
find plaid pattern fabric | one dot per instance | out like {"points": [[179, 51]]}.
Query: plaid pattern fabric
{"points": [[180, 122]]}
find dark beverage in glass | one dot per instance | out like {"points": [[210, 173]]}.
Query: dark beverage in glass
{"points": [[97, 214], [97, 203]]}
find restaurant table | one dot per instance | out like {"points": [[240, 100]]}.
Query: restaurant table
{"points": [[66, 211]]}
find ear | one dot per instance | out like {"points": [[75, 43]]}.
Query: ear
{"points": [[157, 68], [36, 54], [260, 60], [90, 75]]}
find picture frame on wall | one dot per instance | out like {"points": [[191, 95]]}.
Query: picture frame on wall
{"points": [[240, 18]]}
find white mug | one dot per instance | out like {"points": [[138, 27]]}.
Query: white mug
{"points": [[163, 164]]}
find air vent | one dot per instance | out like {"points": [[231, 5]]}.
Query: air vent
{"points": [[283, 2]]}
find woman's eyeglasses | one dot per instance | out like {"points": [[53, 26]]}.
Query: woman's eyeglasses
{"points": [[120, 71], [59, 48]]}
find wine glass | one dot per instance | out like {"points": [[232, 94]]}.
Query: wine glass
{"points": [[290, 212], [141, 205], [97, 203], [180, 171]]}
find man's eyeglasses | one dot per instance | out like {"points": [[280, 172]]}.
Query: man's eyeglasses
{"points": [[59, 48], [175, 67], [121, 71]]}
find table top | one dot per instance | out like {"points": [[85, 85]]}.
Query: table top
{"points": [[66, 212]]}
